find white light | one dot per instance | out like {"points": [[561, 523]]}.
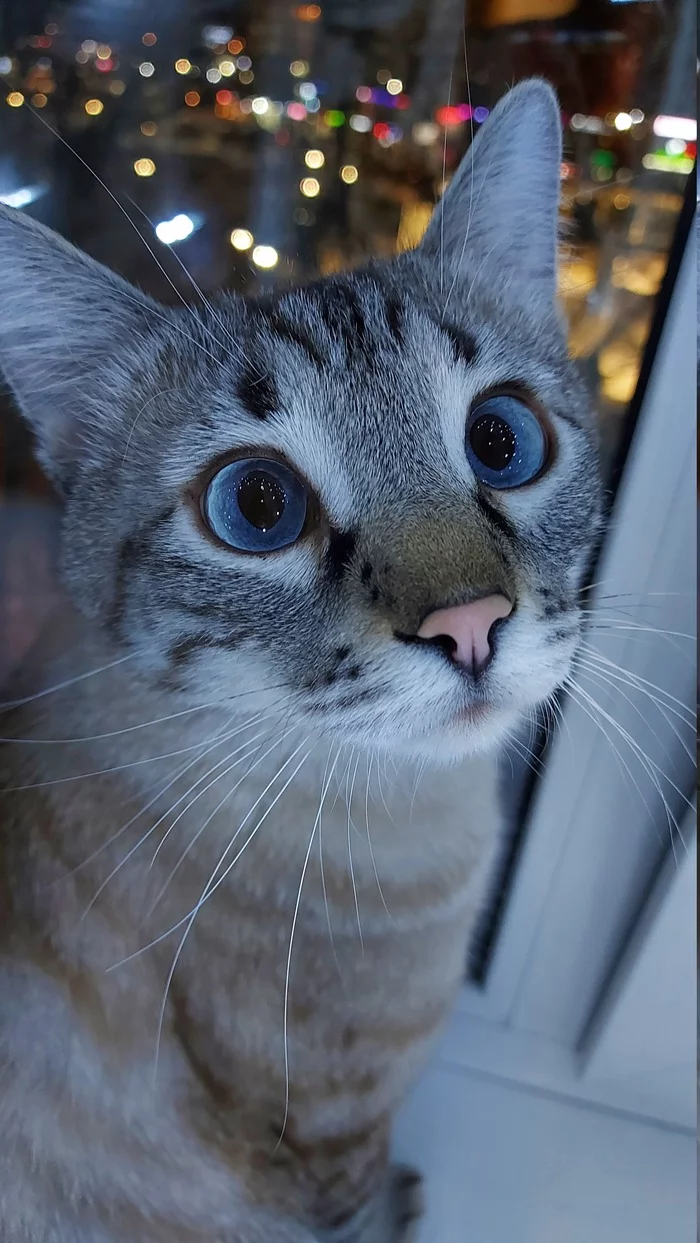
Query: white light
{"points": [[241, 239], [265, 256], [175, 230], [623, 121], [675, 146], [5, 64], [213, 74], [425, 133], [21, 198], [217, 34], [676, 127], [361, 124], [394, 86], [260, 105], [637, 116], [307, 90], [146, 69]]}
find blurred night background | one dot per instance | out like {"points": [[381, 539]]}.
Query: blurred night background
{"points": [[266, 141]]}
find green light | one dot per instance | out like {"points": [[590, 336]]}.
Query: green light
{"points": [[334, 118], [604, 158]]}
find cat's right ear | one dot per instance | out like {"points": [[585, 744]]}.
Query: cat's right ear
{"points": [[63, 321]]}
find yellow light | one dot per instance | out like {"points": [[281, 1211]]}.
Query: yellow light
{"points": [[242, 239], [623, 121], [117, 87], [260, 105], [144, 167], [192, 98], [227, 68], [149, 128], [314, 159], [183, 65], [104, 51], [265, 256], [15, 99], [299, 68], [94, 107], [310, 187], [394, 86], [39, 100], [349, 174]]}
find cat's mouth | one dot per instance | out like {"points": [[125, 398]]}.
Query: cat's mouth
{"points": [[472, 714]]}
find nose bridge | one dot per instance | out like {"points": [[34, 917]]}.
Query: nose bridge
{"points": [[423, 562]]}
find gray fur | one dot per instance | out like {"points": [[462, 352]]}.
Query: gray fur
{"points": [[363, 382]]}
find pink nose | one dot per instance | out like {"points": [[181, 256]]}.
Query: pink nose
{"points": [[468, 626]]}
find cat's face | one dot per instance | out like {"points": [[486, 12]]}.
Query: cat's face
{"points": [[268, 500]]}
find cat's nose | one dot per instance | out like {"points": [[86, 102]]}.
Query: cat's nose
{"points": [[466, 631]]}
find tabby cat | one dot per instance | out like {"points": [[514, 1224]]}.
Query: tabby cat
{"points": [[321, 552]]}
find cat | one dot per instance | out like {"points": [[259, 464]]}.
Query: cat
{"points": [[312, 544]]}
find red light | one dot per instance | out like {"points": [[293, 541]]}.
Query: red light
{"points": [[449, 115], [382, 130], [104, 66], [402, 101], [224, 97]]}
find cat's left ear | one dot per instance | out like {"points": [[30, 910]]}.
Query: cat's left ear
{"points": [[498, 218], [66, 324]]}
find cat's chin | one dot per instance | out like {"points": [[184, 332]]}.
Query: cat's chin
{"points": [[473, 731]]}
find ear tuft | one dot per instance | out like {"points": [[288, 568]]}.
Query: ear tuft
{"points": [[63, 318], [498, 217]]}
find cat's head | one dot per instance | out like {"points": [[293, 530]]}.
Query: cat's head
{"points": [[368, 502]]}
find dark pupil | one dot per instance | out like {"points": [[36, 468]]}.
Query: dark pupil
{"points": [[261, 500], [493, 441]]}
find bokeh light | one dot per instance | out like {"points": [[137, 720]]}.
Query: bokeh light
{"points": [[314, 159], [94, 107], [241, 239], [149, 38], [349, 174], [147, 69], [265, 257], [310, 187], [183, 65], [192, 98], [143, 167], [15, 99]]}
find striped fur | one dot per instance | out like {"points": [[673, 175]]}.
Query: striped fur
{"points": [[236, 917]]}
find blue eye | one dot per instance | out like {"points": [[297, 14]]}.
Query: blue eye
{"points": [[506, 443], [256, 505]]}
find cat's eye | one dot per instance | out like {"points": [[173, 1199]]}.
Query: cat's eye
{"points": [[255, 505], [506, 442]]}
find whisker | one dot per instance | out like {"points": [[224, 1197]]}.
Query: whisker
{"points": [[160, 820], [352, 869], [210, 888], [216, 810], [617, 670], [61, 686], [295, 916]]}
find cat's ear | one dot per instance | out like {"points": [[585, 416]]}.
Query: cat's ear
{"points": [[498, 217], [64, 319]]}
